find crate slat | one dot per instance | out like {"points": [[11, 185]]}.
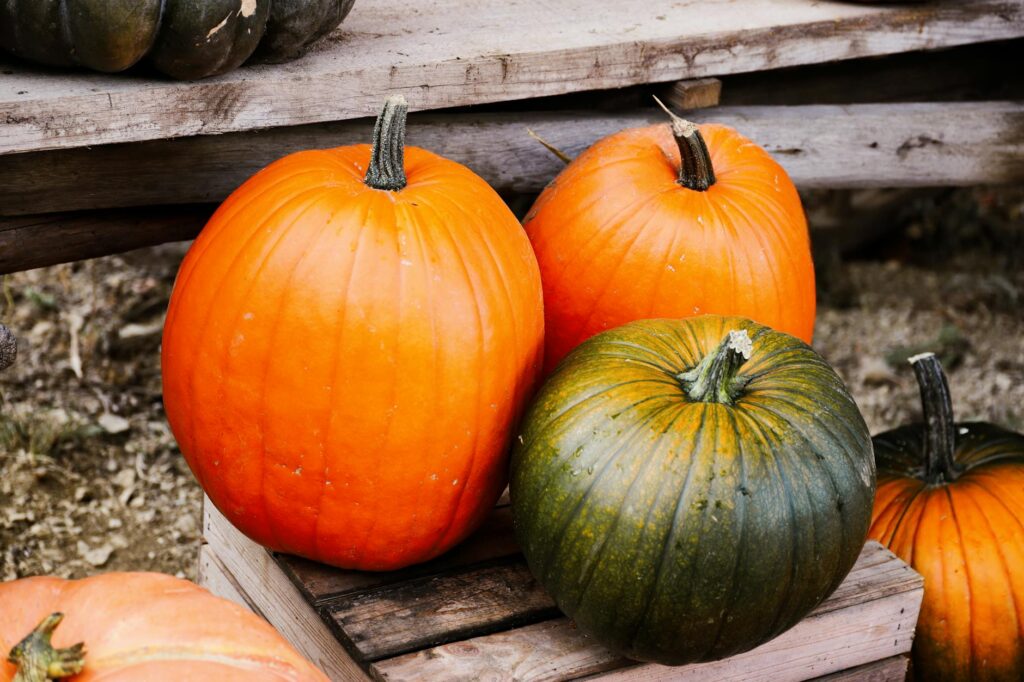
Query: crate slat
{"points": [[458, 52], [463, 620], [320, 583], [863, 145], [422, 613]]}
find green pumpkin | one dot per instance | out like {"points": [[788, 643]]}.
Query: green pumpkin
{"points": [[185, 39], [689, 489]]}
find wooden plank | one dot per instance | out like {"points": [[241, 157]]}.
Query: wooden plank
{"points": [[831, 639], [213, 576], [271, 594], [458, 52], [36, 241], [320, 583], [865, 145], [454, 606], [892, 669], [698, 93]]}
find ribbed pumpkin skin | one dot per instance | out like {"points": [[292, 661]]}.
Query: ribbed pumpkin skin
{"points": [[618, 239], [148, 626], [185, 39], [343, 366], [675, 531], [966, 538]]}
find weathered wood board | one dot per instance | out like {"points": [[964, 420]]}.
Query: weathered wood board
{"points": [[862, 145], [457, 52], [477, 613]]}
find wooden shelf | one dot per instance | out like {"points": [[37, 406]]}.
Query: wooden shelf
{"points": [[458, 52]]}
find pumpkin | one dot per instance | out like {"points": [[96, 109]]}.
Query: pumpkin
{"points": [[8, 347], [137, 626], [951, 503], [687, 489], [671, 221], [348, 346], [185, 39]]}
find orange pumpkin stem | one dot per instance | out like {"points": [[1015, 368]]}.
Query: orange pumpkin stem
{"points": [[38, 661], [696, 171], [387, 159], [940, 430], [713, 379], [8, 347]]}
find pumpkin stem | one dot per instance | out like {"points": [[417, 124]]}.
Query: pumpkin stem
{"points": [[8, 347], [387, 159], [713, 379], [940, 431], [695, 169], [38, 661]]}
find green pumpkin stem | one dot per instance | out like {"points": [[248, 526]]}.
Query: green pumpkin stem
{"points": [[387, 159], [713, 379], [38, 661], [696, 171], [940, 430]]}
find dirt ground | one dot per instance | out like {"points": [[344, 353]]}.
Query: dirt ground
{"points": [[91, 479]]}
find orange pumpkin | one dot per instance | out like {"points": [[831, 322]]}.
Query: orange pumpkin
{"points": [[950, 502], [654, 222], [138, 626], [348, 346]]}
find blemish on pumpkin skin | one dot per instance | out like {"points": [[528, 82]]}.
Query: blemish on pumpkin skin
{"points": [[216, 28], [247, 8]]}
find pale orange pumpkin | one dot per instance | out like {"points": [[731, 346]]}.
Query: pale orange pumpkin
{"points": [[138, 626], [654, 222], [348, 347]]}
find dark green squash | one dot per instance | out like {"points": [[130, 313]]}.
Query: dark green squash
{"points": [[688, 489], [186, 39]]}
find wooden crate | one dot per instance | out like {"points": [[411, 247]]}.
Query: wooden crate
{"points": [[476, 613]]}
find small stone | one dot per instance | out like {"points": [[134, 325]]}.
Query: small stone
{"points": [[113, 424], [1003, 382], [97, 556]]}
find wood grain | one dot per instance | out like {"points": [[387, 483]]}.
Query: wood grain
{"points": [[458, 52], [697, 93], [35, 241], [830, 639], [893, 669], [320, 583], [272, 595], [864, 145], [436, 610]]}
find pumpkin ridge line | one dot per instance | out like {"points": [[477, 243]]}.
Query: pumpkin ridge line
{"points": [[971, 602], [647, 203], [680, 497], [568, 514], [275, 327], [474, 291], [226, 277], [1003, 563], [641, 471], [780, 609]]}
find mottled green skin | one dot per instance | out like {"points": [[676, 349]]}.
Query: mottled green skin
{"points": [[185, 39], [900, 452], [200, 38], [677, 531], [295, 24]]}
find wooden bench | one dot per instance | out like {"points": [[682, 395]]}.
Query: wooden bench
{"points": [[92, 164]]}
